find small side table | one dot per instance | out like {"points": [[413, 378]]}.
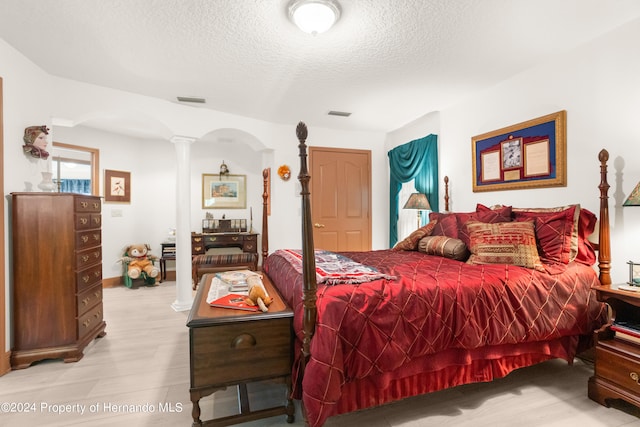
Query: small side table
{"points": [[168, 253], [617, 365]]}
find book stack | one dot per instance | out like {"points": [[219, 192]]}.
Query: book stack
{"points": [[237, 280], [627, 330]]}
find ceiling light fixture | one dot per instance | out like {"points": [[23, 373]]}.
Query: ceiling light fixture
{"points": [[314, 16]]}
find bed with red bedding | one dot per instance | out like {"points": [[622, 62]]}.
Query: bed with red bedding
{"points": [[413, 319]]}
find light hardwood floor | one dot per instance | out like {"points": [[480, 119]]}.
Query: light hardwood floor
{"points": [[144, 360]]}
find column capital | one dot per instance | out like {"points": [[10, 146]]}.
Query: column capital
{"points": [[182, 139]]}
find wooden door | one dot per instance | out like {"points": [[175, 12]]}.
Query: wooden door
{"points": [[341, 198]]}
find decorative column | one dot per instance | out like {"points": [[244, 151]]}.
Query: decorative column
{"points": [[184, 294]]}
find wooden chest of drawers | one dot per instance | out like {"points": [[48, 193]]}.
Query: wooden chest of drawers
{"points": [[57, 276]]}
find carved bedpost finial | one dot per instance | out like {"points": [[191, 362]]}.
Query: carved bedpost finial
{"points": [[603, 156], [301, 132]]}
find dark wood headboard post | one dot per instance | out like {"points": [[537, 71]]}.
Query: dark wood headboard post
{"points": [[265, 213], [309, 283], [604, 242], [446, 193]]}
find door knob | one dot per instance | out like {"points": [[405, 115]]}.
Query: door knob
{"points": [[316, 225]]}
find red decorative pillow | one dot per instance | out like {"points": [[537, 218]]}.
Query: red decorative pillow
{"points": [[554, 232], [511, 243], [572, 213], [453, 224], [411, 242], [447, 225], [586, 226]]}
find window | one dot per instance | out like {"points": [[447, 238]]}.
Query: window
{"points": [[75, 168]]}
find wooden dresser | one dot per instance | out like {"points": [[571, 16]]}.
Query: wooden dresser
{"points": [[57, 276]]}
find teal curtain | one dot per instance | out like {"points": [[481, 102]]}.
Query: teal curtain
{"points": [[416, 160]]}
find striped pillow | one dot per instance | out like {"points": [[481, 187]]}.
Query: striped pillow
{"points": [[503, 243]]}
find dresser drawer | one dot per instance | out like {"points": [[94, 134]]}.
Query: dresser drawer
{"points": [[89, 298], [89, 320], [87, 204], [88, 257], [88, 239], [618, 368], [236, 352], [86, 220], [88, 277]]}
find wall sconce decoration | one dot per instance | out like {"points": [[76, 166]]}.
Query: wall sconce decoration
{"points": [[634, 197], [284, 172], [35, 140], [634, 273], [224, 169]]}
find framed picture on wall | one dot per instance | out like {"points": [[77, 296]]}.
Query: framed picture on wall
{"points": [[117, 186], [224, 191], [531, 154]]}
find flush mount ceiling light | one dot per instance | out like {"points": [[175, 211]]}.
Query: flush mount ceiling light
{"points": [[314, 16]]}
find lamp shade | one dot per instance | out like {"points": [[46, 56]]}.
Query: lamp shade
{"points": [[634, 197], [417, 201]]}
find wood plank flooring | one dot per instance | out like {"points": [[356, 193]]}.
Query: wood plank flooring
{"points": [[138, 375]]}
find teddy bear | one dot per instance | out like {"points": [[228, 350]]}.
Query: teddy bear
{"points": [[140, 263], [257, 294]]}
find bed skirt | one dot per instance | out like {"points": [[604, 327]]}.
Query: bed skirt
{"points": [[441, 371]]}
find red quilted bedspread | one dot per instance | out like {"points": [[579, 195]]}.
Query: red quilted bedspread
{"points": [[434, 304]]}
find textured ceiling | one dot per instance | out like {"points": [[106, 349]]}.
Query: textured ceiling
{"points": [[386, 61]]}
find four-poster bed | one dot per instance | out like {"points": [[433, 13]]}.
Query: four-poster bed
{"points": [[429, 322]]}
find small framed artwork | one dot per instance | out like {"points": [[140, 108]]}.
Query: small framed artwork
{"points": [[117, 186], [531, 154], [224, 191]]}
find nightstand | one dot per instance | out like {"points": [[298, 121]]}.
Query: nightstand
{"points": [[617, 364], [235, 347]]}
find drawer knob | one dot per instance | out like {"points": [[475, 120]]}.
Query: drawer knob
{"points": [[243, 341], [634, 376]]}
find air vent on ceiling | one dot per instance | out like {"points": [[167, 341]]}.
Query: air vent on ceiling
{"points": [[191, 99], [339, 113]]}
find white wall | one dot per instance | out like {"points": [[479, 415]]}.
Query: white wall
{"points": [[599, 87]]}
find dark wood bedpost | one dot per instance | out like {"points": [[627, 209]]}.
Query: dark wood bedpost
{"points": [[604, 242], [265, 213], [446, 193], [309, 284]]}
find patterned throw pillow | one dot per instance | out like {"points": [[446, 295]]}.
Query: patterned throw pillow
{"points": [[444, 246], [503, 243], [411, 242]]}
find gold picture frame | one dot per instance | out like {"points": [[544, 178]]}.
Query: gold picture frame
{"points": [[117, 186], [224, 191], [531, 154]]}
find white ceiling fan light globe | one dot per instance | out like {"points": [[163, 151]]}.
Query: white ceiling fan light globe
{"points": [[314, 16]]}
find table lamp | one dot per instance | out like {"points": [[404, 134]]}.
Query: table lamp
{"points": [[418, 201], [634, 197]]}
